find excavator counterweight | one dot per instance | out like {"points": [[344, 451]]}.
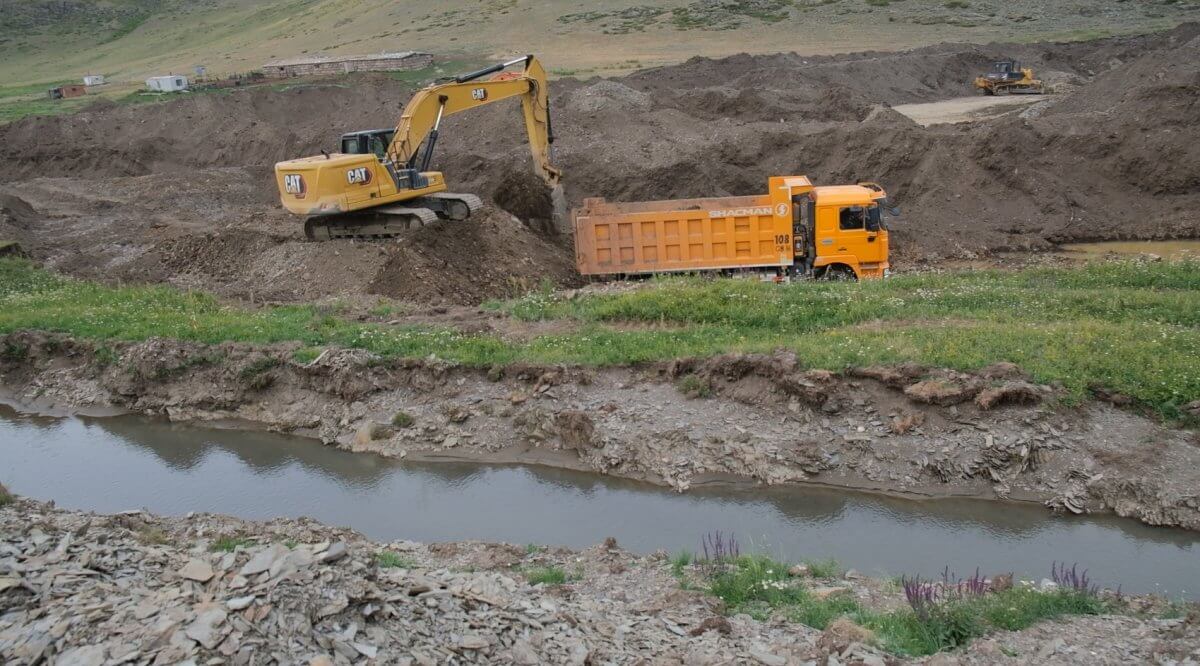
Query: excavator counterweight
{"points": [[379, 184]]}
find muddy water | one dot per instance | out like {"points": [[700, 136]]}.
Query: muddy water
{"points": [[1171, 250], [121, 463]]}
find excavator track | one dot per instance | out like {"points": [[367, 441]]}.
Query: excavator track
{"points": [[451, 205], [392, 221]]}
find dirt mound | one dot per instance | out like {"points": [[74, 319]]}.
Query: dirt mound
{"points": [[182, 191], [526, 196], [492, 256], [604, 95], [16, 217], [256, 126], [16, 211]]}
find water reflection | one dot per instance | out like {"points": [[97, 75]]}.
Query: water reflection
{"points": [[182, 447], [120, 463]]}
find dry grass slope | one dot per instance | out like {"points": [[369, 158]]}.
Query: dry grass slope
{"points": [[47, 40]]}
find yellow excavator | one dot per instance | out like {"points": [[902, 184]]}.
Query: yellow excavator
{"points": [[379, 183]]}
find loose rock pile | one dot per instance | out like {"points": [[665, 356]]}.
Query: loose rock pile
{"points": [[84, 590], [79, 589]]}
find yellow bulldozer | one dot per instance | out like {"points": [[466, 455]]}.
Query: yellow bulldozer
{"points": [[1008, 77], [379, 184]]}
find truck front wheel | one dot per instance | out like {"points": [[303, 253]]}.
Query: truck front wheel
{"points": [[838, 273]]}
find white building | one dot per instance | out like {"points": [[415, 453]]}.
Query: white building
{"points": [[93, 80], [172, 83]]}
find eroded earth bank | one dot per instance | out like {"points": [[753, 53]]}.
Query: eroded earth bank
{"points": [[761, 418]]}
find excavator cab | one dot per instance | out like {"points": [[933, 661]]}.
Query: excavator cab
{"points": [[367, 142]]}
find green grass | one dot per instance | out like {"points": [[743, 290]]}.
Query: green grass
{"points": [[829, 568], [695, 387], [106, 356], [1129, 327], [15, 109], [28, 89], [13, 351], [6, 497], [680, 562], [258, 367], [546, 576], [761, 587], [402, 420], [306, 354], [152, 536], [229, 544], [386, 559]]}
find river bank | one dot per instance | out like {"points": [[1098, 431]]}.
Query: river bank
{"points": [[112, 464], [138, 588], [904, 429]]}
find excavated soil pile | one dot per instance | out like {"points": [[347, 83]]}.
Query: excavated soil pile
{"points": [[182, 191]]}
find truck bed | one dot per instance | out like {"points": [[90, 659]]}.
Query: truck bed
{"points": [[681, 235]]}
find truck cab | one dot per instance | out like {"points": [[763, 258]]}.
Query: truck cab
{"points": [[838, 231]]}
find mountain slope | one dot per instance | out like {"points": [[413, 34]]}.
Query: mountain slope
{"points": [[45, 40]]}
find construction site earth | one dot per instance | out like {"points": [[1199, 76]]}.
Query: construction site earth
{"points": [[183, 194]]}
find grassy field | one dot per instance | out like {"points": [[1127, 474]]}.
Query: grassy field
{"points": [[18, 102], [1128, 327]]}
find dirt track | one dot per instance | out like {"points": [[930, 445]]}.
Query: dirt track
{"points": [[181, 192]]}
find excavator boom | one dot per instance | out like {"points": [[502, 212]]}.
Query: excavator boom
{"points": [[380, 183], [424, 112]]}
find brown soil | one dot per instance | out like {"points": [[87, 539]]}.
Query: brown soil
{"points": [[182, 192], [905, 429]]}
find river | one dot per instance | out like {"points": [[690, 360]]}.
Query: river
{"points": [[127, 462]]}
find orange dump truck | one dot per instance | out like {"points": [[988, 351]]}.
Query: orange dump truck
{"points": [[796, 229]]}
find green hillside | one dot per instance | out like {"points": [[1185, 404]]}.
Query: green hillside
{"points": [[51, 40]]}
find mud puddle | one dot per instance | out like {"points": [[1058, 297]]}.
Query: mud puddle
{"points": [[1171, 250], [121, 463]]}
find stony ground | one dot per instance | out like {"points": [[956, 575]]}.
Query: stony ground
{"points": [[82, 589]]}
